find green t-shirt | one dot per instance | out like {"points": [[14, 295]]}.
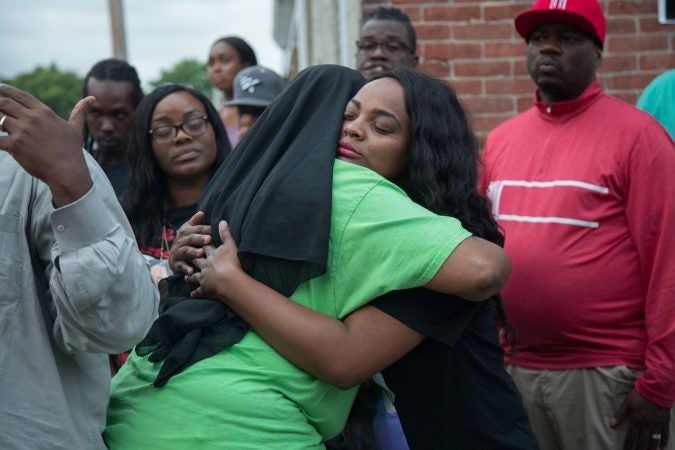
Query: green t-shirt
{"points": [[250, 397]]}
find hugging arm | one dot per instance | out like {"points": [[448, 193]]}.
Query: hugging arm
{"points": [[367, 341], [476, 270]]}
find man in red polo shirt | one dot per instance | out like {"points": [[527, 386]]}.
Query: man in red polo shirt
{"points": [[584, 186]]}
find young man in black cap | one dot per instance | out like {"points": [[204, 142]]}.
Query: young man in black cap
{"points": [[583, 186], [255, 87]]}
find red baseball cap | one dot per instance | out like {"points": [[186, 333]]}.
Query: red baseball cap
{"points": [[584, 14]]}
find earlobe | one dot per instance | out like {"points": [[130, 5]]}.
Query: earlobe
{"points": [[598, 59]]}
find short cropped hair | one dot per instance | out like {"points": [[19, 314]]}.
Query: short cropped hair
{"points": [[395, 14], [111, 70]]}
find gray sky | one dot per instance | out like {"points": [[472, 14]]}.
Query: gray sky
{"points": [[76, 33]]}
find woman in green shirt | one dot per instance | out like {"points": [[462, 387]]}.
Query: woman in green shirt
{"points": [[378, 240]]}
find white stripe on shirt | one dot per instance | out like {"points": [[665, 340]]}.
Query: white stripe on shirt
{"points": [[495, 189]]}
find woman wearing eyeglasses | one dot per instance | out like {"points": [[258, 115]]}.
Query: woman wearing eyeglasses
{"points": [[177, 142]]}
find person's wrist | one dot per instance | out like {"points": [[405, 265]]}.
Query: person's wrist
{"points": [[229, 279], [69, 189], [68, 180]]}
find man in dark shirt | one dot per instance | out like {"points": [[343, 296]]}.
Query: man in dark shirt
{"points": [[118, 92]]}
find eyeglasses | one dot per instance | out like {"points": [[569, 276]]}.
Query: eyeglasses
{"points": [[389, 47], [192, 127]]}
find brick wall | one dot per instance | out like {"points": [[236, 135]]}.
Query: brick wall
{"points": [[474, 45]]}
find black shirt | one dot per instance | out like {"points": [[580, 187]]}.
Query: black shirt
{"points": [[452, 391], [118, 174]]}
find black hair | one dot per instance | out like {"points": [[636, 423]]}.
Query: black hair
{"points": [[395, 14], [444, 160], [143, 200], [111, 70], [244, 50]]}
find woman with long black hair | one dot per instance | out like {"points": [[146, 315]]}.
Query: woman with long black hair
{"points": [[177, 143], [450, 391]]}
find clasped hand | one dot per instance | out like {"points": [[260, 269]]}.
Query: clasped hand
{"points": [[193, 254]]}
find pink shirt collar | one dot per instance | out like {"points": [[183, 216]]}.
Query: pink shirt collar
{"points": [[560, 110]]}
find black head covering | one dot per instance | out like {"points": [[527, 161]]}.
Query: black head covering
{"points": [[275, 189], [275, 193]]}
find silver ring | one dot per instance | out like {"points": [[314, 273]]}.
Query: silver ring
{"points": [[2, 123], [655, 436]]}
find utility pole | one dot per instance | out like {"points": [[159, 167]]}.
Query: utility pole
{"points": [[119, 40]]}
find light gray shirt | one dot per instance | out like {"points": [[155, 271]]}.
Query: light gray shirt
{"points": [[86, 292]]}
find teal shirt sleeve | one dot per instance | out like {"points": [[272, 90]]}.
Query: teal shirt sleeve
{"points": [[388, 242], [658, 99]]}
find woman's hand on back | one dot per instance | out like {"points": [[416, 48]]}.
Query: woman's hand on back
{"points": [[189, 244], [218, 268]]}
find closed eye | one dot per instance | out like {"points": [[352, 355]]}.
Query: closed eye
{"points": [[382, 129]]}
